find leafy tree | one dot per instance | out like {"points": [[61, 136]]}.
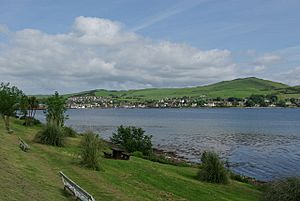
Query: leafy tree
{"points": [[9, 99], [28, 106], [281, 103], [295, 101], [55, 113], [217, 99], [213, 169], [133, 139], [53, 133], [258, 99], [201, 102], [23, 106], [272, 98], [249, 103]]}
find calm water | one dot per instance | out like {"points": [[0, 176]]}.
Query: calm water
{"points": [[261, 143]]}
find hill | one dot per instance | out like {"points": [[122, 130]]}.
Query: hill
{"points": [[34, 175], [239, 88]]}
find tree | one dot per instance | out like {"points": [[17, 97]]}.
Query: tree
{"points": [[52, 133], [281, 103], [28, 106], [133, 139], [272, 98], [249, 103], [55, 112], [9, 98], [258, 99]]}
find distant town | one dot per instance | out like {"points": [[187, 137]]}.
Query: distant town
{"points": [[183, 102]]}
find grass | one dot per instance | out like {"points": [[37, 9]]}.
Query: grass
{"points": [[239, 88], [34, 175]]}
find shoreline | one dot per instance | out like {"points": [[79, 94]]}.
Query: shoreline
{"points": [[173, 156], [145, 108]]}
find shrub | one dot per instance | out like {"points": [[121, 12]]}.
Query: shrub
{"points": [[213, 169], [138, 154], [132, 139], [69, 132], [287, 189], [51, 134], [90, 150]]}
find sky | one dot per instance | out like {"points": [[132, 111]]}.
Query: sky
{"points": [[72, 45]]}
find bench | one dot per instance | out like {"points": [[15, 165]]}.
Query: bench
{"points": [[23, 145], [76, 190]]}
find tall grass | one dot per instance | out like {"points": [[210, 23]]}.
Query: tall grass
{"points": [[51, 134], [284, 190], [213, 169], [90, 151]]}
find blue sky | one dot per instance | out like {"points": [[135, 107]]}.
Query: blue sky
{"points": [[246, 38]]}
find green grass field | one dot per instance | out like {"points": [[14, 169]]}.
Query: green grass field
{"points": [[239, 88], [34, 175]]}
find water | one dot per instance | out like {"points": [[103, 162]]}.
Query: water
{"points": [[261, 143]]}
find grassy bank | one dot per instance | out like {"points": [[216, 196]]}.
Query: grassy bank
{"points": [[34, 175]]}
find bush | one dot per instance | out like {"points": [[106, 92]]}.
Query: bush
{"points": [[213, 169], [90, 150], [132, 139], [138, 154], [284, 190], [51, 134], [69, 132]]}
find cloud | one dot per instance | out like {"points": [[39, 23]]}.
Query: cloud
{"points": [[99, 53], [268, 59], [173, 10], [95, 31], [3, 29], [261, 63], [291, 76]]}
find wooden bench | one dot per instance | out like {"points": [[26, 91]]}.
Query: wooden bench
{"points": [[23, 145], [76, 190]]}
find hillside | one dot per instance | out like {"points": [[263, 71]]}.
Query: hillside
{"points": [[239, 88], [34, 175]]}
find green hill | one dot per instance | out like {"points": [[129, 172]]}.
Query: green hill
{"points": [[34, 175], [239, 88]]}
